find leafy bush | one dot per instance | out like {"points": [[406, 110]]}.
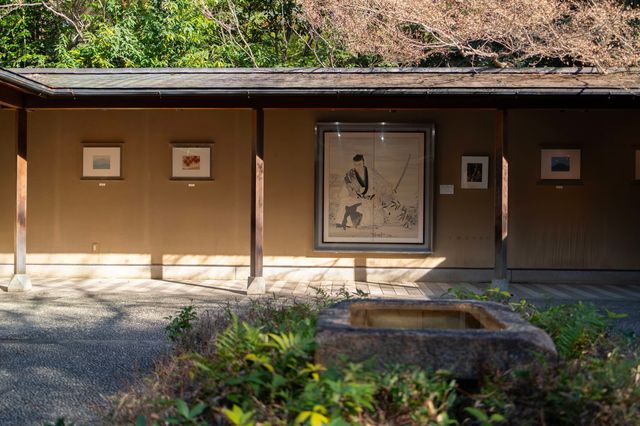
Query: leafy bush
{"points": [[574, 328], [597, 380], [253, 364], [181, 323], [260, 368]]}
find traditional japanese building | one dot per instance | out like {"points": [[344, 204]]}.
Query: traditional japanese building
{"points": [[321, 174]]}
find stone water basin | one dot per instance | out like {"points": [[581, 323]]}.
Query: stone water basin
{"points": [[464, 337]]}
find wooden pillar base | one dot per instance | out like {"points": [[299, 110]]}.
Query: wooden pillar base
{"points": [[256, 285], [19, 282]]}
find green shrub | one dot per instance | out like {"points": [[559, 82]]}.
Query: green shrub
{"points": [[596, 382], [253, 364], [574, 328], [181, 323]]}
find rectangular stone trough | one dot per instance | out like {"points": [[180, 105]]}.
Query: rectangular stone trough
{"points": [[464, 337]]}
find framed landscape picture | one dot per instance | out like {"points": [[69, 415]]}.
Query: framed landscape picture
{"points": [[560, 164], [102, 161], [374, 187], [474, 172], [191, 161]]}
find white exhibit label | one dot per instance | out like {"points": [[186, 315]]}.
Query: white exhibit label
{"points": [[446, 189]]}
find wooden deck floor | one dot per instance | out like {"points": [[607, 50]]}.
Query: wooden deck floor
{"points": [[305, 288]]}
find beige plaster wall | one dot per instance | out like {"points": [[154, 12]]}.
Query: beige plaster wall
{"points": [[463, 235], [8, 133], [595, 225], [145, 218], [148, 219]]}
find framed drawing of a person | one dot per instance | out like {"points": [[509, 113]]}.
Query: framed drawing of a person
{"points": [[374, 187]]}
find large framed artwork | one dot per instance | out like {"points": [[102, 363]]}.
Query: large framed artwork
{"points": [[560, 164], [101, 161], [191, 161], [374, 187]]}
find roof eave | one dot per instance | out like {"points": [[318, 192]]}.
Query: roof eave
{"points": [[240, 92]]}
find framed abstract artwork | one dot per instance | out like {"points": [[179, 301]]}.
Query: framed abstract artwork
{"points": [[560, 164], [374, 187], [102, 161], [474, 172], [191, 161]]}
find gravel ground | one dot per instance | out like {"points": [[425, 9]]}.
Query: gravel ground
{"points": [[60, 355]]}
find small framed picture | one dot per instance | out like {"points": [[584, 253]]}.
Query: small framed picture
{"points": [[637, 165], [475, 172], [560, 164], [102, 161], [191, 161]]}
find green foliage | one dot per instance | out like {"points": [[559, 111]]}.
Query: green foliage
{"points": [[260, 369], [165, 33], [28, 36], [591, 390], [182, 414], [493, 294], [417, 395], [574, 328], [483, 418], [142, 34], [186, 415], [238, 417], [181, 323], [596, 381]]}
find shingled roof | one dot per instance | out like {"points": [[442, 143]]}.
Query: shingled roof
{"points": [[467, 80], [322, 82]]}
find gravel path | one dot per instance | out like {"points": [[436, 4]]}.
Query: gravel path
{"points": [[59, 356]]}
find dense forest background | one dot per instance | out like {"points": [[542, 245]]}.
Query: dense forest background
{"points": [[324, 33]]}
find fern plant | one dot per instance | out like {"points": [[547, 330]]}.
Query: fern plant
{"points": [[572, 327]]}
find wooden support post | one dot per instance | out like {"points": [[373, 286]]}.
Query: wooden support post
{"points": [[20, 280], [501, 278], [256, 283]]}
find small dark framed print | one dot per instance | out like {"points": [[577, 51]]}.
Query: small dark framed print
{"points": [[560, 164], [474, 172]]}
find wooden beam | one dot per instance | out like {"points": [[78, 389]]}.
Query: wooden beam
{"points": [[256, 284], [20, 280], [9, 97], [501, 278], [21, 196], [361, 101]]}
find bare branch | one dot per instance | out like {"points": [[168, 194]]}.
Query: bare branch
{"points": [[65, 17], [236, 22], [600, 33]]}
